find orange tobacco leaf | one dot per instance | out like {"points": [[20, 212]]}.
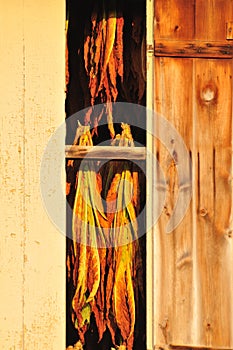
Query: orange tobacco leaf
{"points": [[93, 273], [110, 118], [86, 53], [98, 42], [93, 86], [123, 295], [111, 197], [119, 46], [99, 305], [109, 42], [67, 56], [68, 186], [110, 318], [113, 76], [136, 191]]}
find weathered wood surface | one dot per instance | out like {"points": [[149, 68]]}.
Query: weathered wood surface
{"points": [[195, 301], [176, 268], [32, 250], [195, 264], [105, 152], [189, 20], [191, 48], [229, 28], [199, 28], [213, 117]]}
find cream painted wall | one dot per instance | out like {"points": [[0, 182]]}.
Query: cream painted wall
{"points": [[32, 251]]}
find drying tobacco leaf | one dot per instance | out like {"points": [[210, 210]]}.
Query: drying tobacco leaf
{"points": [[98, 307], [112, 76], [86, 227], [112, 196], [121, 260], [105, 279], [109, 42], [118, 48], [103, 59], [110, 317], [123, 295]]}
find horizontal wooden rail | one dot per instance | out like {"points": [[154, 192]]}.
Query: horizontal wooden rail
{"points": [[193, 48], [105, 152], [188, 347], [196, 347]]}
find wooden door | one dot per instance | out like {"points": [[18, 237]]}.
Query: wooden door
{"points": [[193, 90]]}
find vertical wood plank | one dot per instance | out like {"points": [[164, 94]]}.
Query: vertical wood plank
{"points": [[44, 306], [188, 20], [211, 18], [174, 19], [11, 175], [214, 198], [195, 298], [175, 297]]}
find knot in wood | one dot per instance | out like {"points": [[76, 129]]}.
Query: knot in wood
{"points": [[203, 212], [208, 94]]}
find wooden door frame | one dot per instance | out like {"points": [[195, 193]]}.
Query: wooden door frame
{"points": [[151, 231]]}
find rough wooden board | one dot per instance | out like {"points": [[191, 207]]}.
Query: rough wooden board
{"points": [[213, 138], [211, 320], [175, 297], [195, 299], [188, 20], [193, 48], [229, 30], [105, 152], [174, 19], [211, 18]]}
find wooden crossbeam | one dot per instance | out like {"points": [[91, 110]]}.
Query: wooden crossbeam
{"points": [[105, 152]]}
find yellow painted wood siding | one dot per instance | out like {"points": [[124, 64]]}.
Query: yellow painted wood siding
{"points": [[32, 251]]}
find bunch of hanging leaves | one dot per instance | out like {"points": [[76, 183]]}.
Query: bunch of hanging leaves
{"points": [[112, 62], [103, 57], [107, 263]]}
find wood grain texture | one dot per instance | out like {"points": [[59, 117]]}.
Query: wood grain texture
{"points": [[189, 20], [44, 306], [213, 122], [11, 176], [32, 251], [204, 104], [174, 302], [195, 301], [229, 30], [211, 17], [210, 49], [174, 19], [105, 152]]}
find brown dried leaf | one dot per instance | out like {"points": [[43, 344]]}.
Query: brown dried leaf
{"points": [[123, 295]]}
